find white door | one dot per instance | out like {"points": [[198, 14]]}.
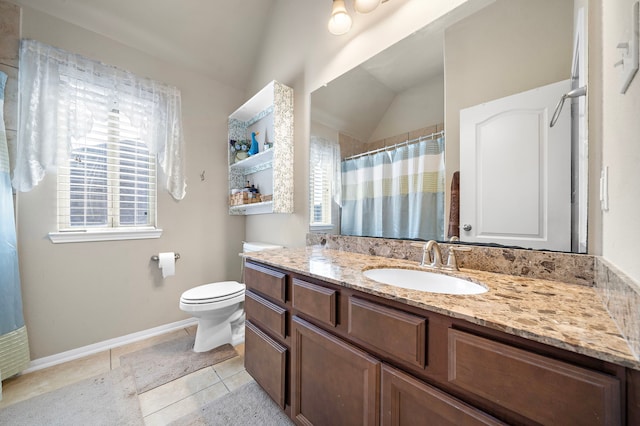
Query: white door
{"points": [[515, 171]]}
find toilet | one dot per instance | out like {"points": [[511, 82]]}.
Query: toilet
{"points": [[219, 308]]}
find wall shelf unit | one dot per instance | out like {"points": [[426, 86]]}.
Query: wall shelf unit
{"points": [[268, 114]]}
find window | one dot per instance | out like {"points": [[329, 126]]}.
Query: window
{"points": [[325, 181], [107, 133], [321, 196], [109, 180]]}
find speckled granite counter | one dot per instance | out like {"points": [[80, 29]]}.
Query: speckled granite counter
{"points": [[566, 316]]}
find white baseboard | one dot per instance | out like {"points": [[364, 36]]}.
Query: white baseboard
{"points": [[49, 361]]}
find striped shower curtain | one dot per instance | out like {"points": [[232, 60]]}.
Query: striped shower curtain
{"points": [[397, 193], [14, 348]]}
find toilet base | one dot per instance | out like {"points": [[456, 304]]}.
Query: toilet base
{"points": [[211, 334]]}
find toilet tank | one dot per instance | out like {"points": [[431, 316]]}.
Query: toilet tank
{"points": [[256, 246]]}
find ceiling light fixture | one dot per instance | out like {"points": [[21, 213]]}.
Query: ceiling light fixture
{"points": [[366, 6], [340, 21]]}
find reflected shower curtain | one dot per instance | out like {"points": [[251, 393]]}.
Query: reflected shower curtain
{"points": [[397, 193], [14, 349]]}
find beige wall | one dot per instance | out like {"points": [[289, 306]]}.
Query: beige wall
{"points": [[509, 47], [300, 52], [620, 145], [81, 293]]}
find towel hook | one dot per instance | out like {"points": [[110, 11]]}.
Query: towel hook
{"points": [[575, 93]]}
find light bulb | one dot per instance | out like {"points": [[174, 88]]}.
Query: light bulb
{"points": [[340, 21], [366, 6]]}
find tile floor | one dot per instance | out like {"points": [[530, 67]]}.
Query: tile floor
{"points": [[159, 406]]}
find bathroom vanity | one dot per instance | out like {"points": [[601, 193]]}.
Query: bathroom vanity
{"points": [[333, 347]]}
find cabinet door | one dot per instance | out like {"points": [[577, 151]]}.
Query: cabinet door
{"points": [[407, 401], [333, 383], [266, 361]]}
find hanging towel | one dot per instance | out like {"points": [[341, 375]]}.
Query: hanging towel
{"points": [[454, 211]]}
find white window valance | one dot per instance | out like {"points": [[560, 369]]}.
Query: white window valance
{"points": [[48, 75]]}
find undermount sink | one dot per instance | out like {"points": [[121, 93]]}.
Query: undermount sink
{"points": [[424, 281]]}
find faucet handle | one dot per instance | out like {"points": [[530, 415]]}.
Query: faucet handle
{"points": [[426, 256], [452, 260]]}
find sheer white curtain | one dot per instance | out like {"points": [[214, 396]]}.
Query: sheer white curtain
{"points": [[49, 76]]}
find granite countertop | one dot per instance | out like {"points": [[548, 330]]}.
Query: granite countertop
{"points": [[566, 316]]}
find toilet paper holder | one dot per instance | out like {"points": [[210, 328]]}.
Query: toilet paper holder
{"points": [[155, 257]]}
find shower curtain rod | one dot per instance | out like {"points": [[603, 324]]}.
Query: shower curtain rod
{"points": [[407, 142]]}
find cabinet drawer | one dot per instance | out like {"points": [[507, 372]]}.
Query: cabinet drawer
{"points": [[408, 401], [314, 300], [265, 281], [393, 332], [542, 389], [266, 360], [265, 313]]}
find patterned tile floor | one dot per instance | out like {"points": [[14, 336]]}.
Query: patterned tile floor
{"points": [[159, 406]]}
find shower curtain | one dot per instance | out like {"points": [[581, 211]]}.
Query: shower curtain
{"points": [[396, 193], [14, 348]]}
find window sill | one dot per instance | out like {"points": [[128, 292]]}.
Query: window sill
{"points": [[321, 228], [104, 235]]}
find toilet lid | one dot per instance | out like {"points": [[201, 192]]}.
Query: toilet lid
{"points": [[221, 290]]}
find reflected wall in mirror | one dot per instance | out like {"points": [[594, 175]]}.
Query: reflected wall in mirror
{"points": [[417, 88]]}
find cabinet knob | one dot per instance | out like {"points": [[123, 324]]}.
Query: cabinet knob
{"points": [[466, 227]]}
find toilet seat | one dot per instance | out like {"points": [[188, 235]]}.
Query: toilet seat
{"points": [[212, 293]]}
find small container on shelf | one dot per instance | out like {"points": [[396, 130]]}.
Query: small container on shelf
{"points": [[238, 198]]}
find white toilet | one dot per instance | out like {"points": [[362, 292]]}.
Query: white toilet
{"points": [[219, 308]]}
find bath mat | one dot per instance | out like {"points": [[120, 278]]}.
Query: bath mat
{"points": [[156, 365], [107, 399], [248, 405]]}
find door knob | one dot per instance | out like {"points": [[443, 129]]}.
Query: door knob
{"points": [[466, 227]]}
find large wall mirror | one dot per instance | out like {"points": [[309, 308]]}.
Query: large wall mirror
{"points": [[385, 143]]}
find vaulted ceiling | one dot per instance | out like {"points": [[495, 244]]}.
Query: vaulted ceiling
{"points": [[219, 38]]}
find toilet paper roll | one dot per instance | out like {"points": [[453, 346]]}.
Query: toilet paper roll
{"points": [[167, 262]]}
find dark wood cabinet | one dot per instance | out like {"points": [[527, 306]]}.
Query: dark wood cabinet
{"points": [[266, 360], [314, 300], [391, 331], [407, 401], [266, 281], [333, 383], [331, 355], [268, 315], [542, 389]]}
